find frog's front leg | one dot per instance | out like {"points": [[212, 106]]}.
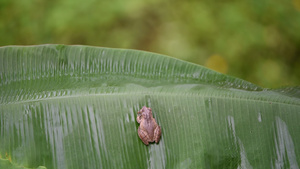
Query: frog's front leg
{"points": [[143, 136], [157, 134], [138, 118]]}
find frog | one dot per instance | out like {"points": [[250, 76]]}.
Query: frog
{"points": [[149, 130]]}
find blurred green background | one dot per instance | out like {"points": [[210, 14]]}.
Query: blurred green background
{"points": [[256, 40]]}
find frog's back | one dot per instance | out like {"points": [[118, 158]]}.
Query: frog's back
{"points": [[149, 126]]}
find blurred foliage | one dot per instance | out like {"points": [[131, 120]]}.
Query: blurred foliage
{"points": [[257, 40]]}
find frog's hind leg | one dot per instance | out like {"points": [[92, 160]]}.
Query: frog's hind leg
{"points": [[157, 134], [143, 136]]}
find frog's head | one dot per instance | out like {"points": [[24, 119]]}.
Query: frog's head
{"points": [[146, 112]]}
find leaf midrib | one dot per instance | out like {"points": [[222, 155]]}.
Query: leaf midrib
{"points": [[157, 94]]}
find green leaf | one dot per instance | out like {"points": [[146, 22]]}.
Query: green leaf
{"points": [[76, 107], [6, 163]]}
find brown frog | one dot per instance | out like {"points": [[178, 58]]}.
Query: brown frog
{"points": [[149, 130]]}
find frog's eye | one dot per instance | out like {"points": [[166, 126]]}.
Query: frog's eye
{"points": [[149, 109]]}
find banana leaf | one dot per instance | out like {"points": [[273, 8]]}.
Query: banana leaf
{"points": [[76, 107]]}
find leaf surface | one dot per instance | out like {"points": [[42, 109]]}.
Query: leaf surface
{"points": [[76, 107]]}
